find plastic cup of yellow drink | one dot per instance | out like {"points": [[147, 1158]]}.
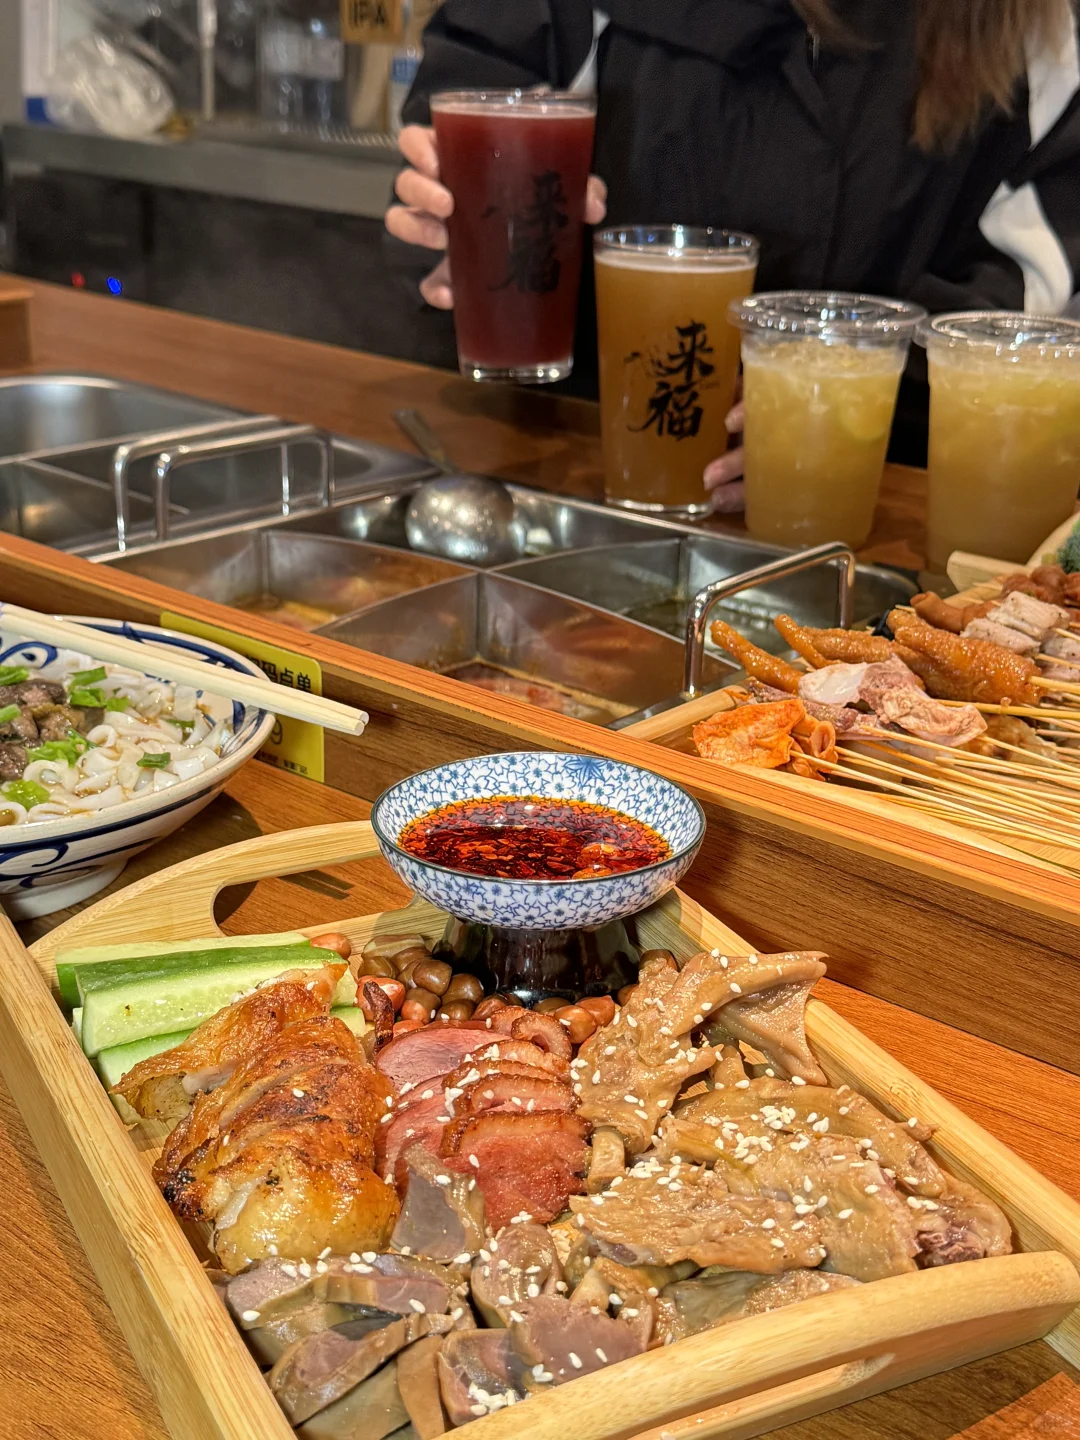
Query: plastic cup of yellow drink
{"points": [[669, 359], [1004, 432], [820, 378]]}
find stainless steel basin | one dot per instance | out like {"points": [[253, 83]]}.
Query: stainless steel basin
{"points": [[41, 413], [543, 524], [654, 581], [43, 504], [299, 580], [513, 638]]}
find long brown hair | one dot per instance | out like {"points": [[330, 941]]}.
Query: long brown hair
{"points": [[971, 55]]}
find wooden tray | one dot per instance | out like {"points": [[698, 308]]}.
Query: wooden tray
{"points": [[741, 1380]]}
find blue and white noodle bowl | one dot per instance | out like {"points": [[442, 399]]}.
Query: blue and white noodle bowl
{"points": [[542, 904], [103, 807]]}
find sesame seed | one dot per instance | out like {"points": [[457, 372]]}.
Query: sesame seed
{"points": [[797, 1080], [735, 989], [742, 1084], [272, 1249], [474, 1162], [305, 1269], [574, 1360], [323, 1253], [321, 1267], [609, 1049], [289, 1270], [442, 1179], [250, 1316], [631, 1022], [533, 1291], [844, 1214], [596, 1077], [418, 1306], [370, 1256], [844, 1109], [601, 1356], [706, 1007], [870, 1190], [425, 1095], [769, 1224], [724, 961], [301, 1093], [776, 1243], [463, 1258]]}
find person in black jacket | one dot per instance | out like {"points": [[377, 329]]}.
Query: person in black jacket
{"points": [[923, 149]]}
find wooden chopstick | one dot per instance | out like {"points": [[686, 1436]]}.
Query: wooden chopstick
{"points": [[184, 670]]}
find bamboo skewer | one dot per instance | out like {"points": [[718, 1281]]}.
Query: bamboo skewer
{"points": [[1002, 765], [184, 670], [987, 792]]}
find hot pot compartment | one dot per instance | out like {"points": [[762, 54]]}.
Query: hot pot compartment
{"points": [[44, 504], [512, 638], [304, 581]]}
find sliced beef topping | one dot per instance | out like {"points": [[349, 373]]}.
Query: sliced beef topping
{"points": [[520, 1265], [659, 1217], [35, 695], [715, 1298], [320, 1369], [422, 1055], [56, 722], [569, 1340], [442, 1215], [22, 728], [525, 1165], [418, 1123], [479, 1372], [13, 760]]}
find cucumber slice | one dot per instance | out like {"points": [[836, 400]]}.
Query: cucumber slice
{"points": [[67, 961], [108, 973], [76, 1025], [114, 1063], [155, 1005]]}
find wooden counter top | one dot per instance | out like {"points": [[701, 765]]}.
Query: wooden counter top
{"points": [[65, 1369], [529, 436]]}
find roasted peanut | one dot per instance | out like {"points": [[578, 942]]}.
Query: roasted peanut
{"points": [[378, 967], [550, 1005], [577, 1023], [393, 945], [600, 1007], [403, 1027], [464, 987], [650, 955], [487, 1007], [456, 1011], [433, 975], [419, 1004], [333, 940]]}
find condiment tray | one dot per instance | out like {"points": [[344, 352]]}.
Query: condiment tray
{"points": [[740, 1380]]}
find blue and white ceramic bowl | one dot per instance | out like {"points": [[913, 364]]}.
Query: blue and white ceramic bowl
{"points": [[543, 904], [48, 866]]}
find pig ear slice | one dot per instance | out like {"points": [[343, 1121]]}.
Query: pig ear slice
{"points": [[774, 1022]]}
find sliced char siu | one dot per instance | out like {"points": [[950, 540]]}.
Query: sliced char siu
{"points": [[514, 1094], [523, 1164], [425, 1054], [419, 1123]]}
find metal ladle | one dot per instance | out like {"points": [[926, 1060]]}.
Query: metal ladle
{"points": [[458, 516]]}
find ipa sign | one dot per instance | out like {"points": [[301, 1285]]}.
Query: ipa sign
{"points": [[368, 22]]}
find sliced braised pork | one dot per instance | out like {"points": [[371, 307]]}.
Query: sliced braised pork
{"points": [[522, 1264], [479, 1373], [559, 1341]]}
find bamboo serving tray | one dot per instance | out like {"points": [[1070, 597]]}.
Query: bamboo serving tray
{"points": [[741, 1380]]}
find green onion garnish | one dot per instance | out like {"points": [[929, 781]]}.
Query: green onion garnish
{"points": [[154, 762], [185, 725], [27, 793], [9, 712], [86, 698], [13, 674], [88, 677], [69, 749], [116, 702]]}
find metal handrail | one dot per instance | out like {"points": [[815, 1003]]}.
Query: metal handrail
{"points": [[279, 436], [780, 569], [124, 456]]}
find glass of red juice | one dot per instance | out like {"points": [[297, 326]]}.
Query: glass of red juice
{"points": [[517, 165]]}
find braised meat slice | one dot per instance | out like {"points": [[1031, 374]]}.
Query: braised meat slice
{"points": [[35, 695], [964, 1225], [418, 1122], [373, 1409], [479, 1373], [516, 1094], [559, 1340], [520, 1265], [774, 1023], [660, 1216], [525, 1165], [717, 1297], [442, 1214], [627, 1083], [715, 1122], [162, 1087], [320, 1369], [867, 1229], [21, 728], [418, 1382]]}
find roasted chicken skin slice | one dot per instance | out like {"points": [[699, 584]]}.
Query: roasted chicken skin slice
{"points": [[162, 1087]]}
